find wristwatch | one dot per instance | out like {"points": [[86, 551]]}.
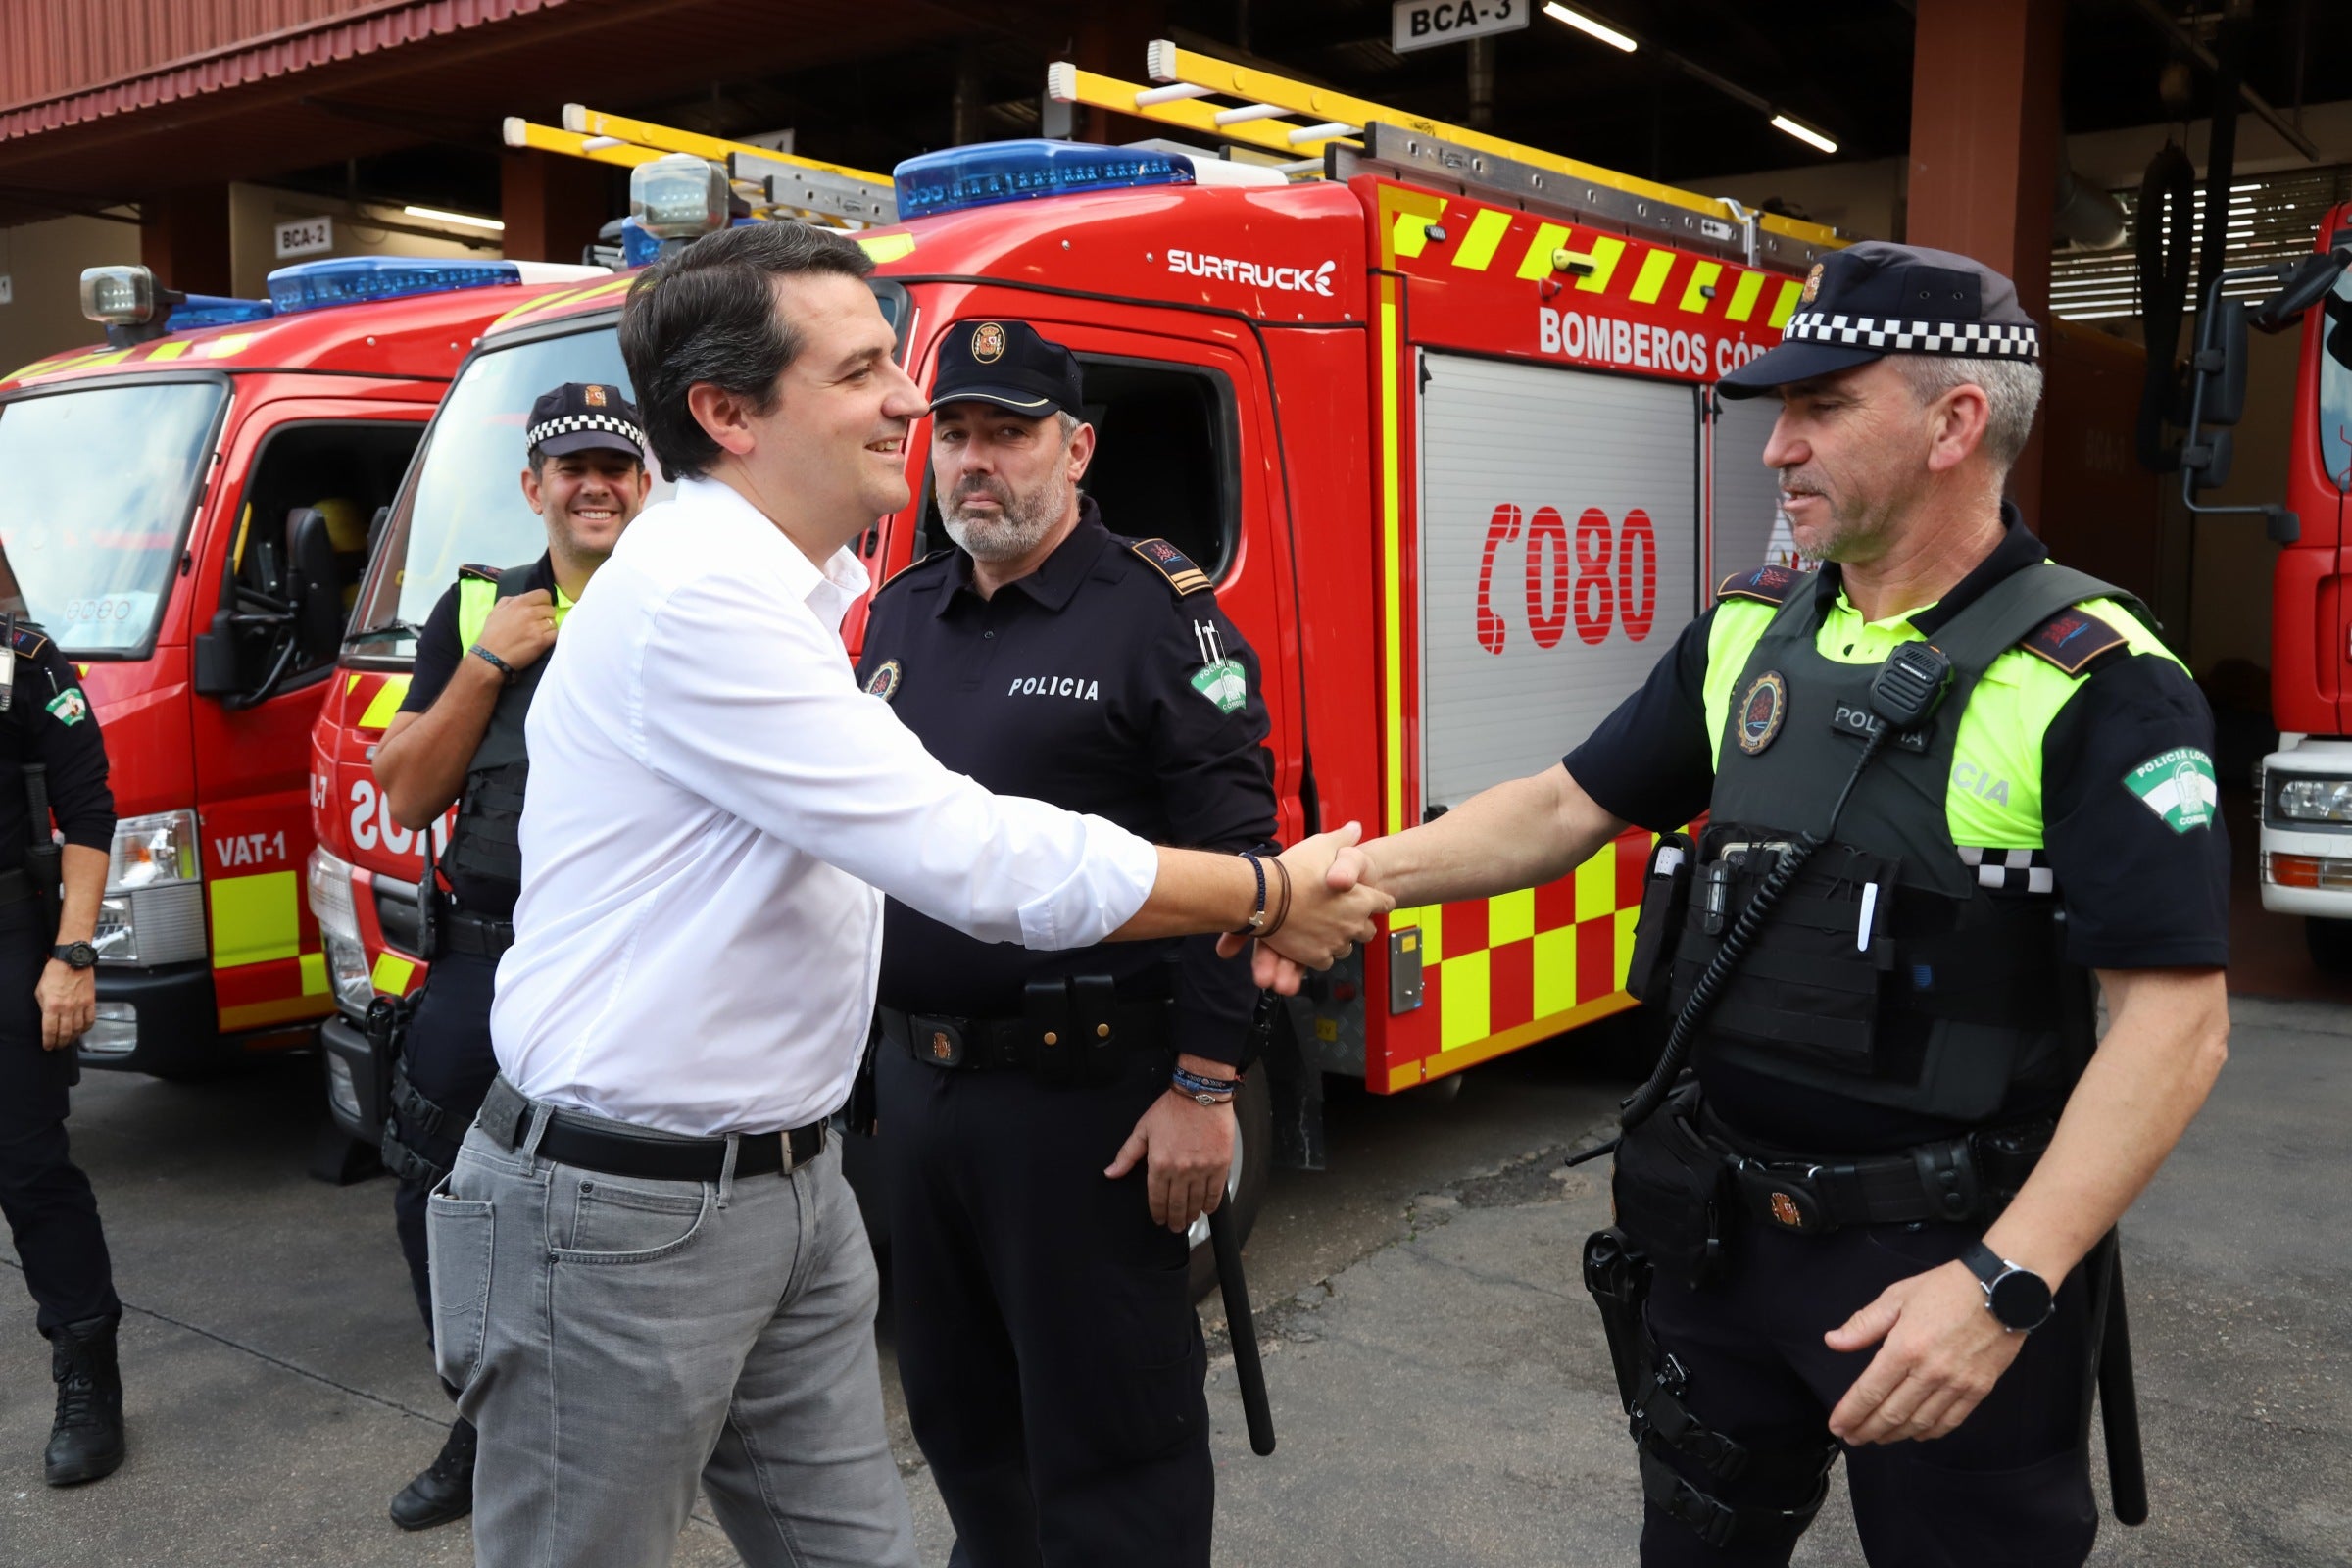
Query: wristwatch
{"points": [[2018, 1297], [74, 954]]}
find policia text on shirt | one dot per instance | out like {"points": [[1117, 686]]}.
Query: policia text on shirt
{"points": [[1869, 1211]]}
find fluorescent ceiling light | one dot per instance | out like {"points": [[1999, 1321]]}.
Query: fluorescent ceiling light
{"points": [[474, 222], [1805, 133], [1585, 25]]}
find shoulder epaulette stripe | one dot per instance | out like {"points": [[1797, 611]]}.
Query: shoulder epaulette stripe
{"points": [[1769, 585], [478, 573], [2072, 640], [1172, 563]]}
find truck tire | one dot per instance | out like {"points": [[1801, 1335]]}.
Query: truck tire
{"points": [[2329, 942], [1246, 1185]]}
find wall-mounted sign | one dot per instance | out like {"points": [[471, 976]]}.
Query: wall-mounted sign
{"points": [[304, 236], [1427, 24]]}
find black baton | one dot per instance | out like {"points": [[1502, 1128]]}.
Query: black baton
{"points": [[1241, 1325], [2119, 1404]]}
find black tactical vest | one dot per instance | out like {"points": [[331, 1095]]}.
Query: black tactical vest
{"points": [[1953, 995], [484, 860]]}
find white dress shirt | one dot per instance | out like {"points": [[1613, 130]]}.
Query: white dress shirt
{"points": [[712, 807]]}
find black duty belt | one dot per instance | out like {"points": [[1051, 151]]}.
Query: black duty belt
{"points": [[613, 1148], [476, 936], [1955, 1180], [1049, 1043]]}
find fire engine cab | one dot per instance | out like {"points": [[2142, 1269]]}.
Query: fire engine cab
{"points": [[187, 515], [1434, 411]]}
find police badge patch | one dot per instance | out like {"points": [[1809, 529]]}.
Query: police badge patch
{"points": [[1812, 284], [1225, 684], [2178, 786], [988, 343], [69, 706], [593, 395], [884, 682], [1761, 711]]}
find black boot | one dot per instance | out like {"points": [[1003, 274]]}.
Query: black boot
{"points": [[87, 1441], [443, 1489]]}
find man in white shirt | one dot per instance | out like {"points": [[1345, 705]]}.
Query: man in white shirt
{"points": [[647, 1268]]}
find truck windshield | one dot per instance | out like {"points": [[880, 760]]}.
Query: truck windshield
{"points": [[100, 482], [464, 504], [2335, 385]]}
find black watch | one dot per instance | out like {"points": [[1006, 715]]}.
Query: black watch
{"points": [[74, 954], [2019, 1298]]}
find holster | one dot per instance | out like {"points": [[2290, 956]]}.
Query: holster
{"points": [[1665, 896], [1671, 1190], [1617, 1275]]}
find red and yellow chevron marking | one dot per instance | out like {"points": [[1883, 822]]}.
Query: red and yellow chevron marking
{"points": [[1503, 973], [607, 294], [376, 697], [225, 347]]}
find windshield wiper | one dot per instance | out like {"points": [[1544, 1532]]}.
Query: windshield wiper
{"points": [[377, 634]]}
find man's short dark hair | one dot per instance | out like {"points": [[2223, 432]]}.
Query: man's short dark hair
{"points": [[709, 314]]}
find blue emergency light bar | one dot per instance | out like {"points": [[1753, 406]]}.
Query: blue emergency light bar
{"points": [[215, 310], [358, 279], [983, 175]]}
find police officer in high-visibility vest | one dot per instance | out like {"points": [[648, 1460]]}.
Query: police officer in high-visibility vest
{"points": [[459, 739], [1053, 1122], [1946, 784], [48, 998]]}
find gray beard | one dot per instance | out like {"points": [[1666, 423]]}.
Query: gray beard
{"points": [[1018, 529]]}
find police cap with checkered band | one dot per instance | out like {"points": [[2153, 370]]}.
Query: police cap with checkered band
{"points": [[1008, 365], [1874, 299], [583, 415]]}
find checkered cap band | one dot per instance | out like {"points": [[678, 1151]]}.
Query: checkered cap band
{"points": [[541, 434], [1963, 339], [2011, 870]]}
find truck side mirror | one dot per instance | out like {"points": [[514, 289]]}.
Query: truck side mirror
{"points": [[216, 673], [2221, 365], [2207, 463], [2305, 287], [312, 590]]}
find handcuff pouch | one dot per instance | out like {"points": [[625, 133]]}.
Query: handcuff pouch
{"points": [[1670, 1192]]}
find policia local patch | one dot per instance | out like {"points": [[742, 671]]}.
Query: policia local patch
{"points": [[2178, 786]]}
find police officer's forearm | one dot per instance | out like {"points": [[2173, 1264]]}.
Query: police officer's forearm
{"points": [[422, 760], [84, 872], [1519, 834], [2167, 1036]]}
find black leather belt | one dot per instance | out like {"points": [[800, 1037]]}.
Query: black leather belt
{"points": [[476, 936], [1058, 1042], [1955, 1180], [615, 1149]]}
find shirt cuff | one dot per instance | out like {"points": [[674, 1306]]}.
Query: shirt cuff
{"points": [[1114, 876]]}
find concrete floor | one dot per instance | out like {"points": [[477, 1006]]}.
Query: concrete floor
{"points": [[1437, 1372]]}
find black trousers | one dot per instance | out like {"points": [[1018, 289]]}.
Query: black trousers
{"points": [[450, 1062], [1051, 1359], [51, 1211], [2011, 1485]]}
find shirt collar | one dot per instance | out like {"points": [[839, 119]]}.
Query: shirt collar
{"points": [[1057, 579], [842, 575], [543, 576], [2018, 548]]}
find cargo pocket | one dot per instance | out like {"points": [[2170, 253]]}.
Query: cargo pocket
{"points": [[1669, 1189], [458, 1240], [1149, 1397]]}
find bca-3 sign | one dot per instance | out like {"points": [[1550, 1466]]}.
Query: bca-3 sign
{"points": [[1427, 24]]}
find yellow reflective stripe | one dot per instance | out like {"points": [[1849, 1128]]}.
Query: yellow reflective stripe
{"points": [[1702, 278], [1556, 970], [1408, 236], [227, 348], [887, 247], [1743, 297], [1428, 923], [1627, 918], [314, 974], [391, 974], [475, 600], [1462, 1001], [385, 703], [1596, 886], [1537, 263], [255, 919], [1510, 918], [1786, 305], [1485, 233], [351, 683], [1652, 281], [1605, 252], [1392, 574], [170, 351]]}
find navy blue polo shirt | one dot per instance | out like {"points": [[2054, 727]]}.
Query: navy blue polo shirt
{"points": [[1094, 684]]}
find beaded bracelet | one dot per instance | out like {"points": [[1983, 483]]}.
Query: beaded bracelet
{"points": [[1254, 925]]}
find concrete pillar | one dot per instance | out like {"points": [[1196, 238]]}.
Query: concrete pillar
{"points": [[184, 239], [552, 205], [1984, 143]]}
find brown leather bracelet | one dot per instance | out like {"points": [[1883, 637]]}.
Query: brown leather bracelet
{"points": [[1284, 912]]}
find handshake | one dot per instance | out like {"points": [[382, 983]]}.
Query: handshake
{"points": [[1331, 908]]}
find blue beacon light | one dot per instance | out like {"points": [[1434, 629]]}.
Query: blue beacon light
{"points": [[358, 280], [984, 176]]}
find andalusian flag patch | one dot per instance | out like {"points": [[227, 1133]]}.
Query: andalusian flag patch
{"points": [[1224, 684], [69, 706], [2176, 785]]}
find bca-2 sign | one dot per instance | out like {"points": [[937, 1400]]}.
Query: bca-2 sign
{"points": [[1427, 24]]}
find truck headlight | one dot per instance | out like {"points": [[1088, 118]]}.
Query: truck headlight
{"points": [[2313, 799], [339, 920], [153, 910], [678, 196]]}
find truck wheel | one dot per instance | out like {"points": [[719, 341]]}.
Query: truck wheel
{"points": [[2329, 942], [1245, 1183]]}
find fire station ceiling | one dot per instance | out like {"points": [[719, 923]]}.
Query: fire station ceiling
{"points": [[870, 81]]}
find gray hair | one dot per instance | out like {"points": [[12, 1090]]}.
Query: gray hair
{"points": [[1067, 422], [2012, 392]]}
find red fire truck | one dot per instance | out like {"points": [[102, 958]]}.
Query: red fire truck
{"points": [[1439, 425], [186, 514]]}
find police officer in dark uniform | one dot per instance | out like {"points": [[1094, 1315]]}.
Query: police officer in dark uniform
{"points": [[459, 739], [48, 997], [1051, 1124], [1947, 783]]}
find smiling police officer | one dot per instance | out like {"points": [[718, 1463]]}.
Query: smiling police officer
{"points": [[458, 739], [1876, 1217], [1051, 1123]]}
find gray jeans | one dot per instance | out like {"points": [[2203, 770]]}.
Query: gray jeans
{"points": [[618, 1339]]}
